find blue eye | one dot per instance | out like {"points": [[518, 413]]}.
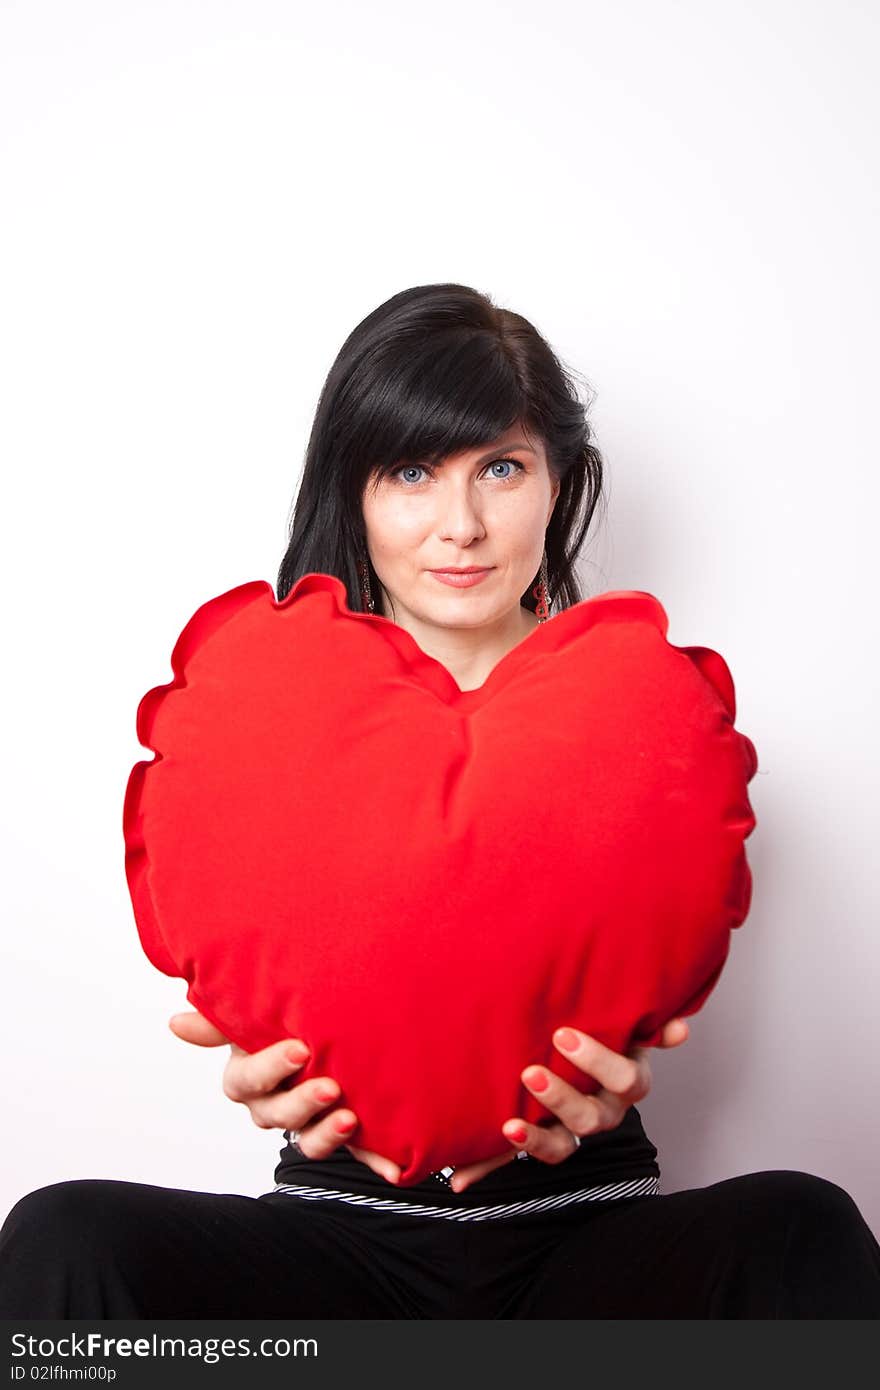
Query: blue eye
{"points": [[418, 467], [506, 475]]}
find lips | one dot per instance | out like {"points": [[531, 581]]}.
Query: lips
{"points": [[460, 579]]}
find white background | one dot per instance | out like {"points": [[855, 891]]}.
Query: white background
{"points": [[201, 199]]}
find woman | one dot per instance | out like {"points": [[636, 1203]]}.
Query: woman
{"points": [[448, 438]]}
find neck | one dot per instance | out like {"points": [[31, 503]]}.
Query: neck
{"points": [[470, 653]]}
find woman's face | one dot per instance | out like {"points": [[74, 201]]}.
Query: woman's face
{"points": [[486, 507]]}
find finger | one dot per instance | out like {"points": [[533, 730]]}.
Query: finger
{"points": [[622, 1075], [579, 1113], [251, 1074], [305, 1109], [195, 1028], [550, 1143], [675, 1032], [472, 1172], [320, 1137], [383, 1166]]}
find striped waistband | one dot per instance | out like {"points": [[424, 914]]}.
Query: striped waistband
{"points": [[636, 1187]]}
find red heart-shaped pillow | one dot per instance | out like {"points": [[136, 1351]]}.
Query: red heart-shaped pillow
{"points": [[335, 843]]}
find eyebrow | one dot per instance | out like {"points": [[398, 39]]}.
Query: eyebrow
{"points": [[505, 449]]}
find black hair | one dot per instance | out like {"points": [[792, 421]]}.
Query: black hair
{"points": [[435, 370]]}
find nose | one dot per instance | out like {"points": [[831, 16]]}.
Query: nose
{"points": [[458, 518]]}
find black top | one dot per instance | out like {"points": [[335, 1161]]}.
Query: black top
{"points": [[612, 1157]]}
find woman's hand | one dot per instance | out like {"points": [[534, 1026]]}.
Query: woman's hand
{"points": [[263, 1082], [625, 1079]]}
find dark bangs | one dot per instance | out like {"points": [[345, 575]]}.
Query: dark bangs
{"points": [[437, 404]]}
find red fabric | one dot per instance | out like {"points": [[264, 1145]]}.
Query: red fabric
{"points": [[335, 843]]}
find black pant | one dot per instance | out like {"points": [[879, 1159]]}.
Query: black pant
{"points": [[776, 1244]]}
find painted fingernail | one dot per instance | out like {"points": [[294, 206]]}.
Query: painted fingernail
{"points": [[516, 1133], [537, 1080], [566, 1038], [296, 1055], [326, 1093], [343, 1126]]}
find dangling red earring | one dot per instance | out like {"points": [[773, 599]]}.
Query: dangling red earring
{"points": [[541, 592]]}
